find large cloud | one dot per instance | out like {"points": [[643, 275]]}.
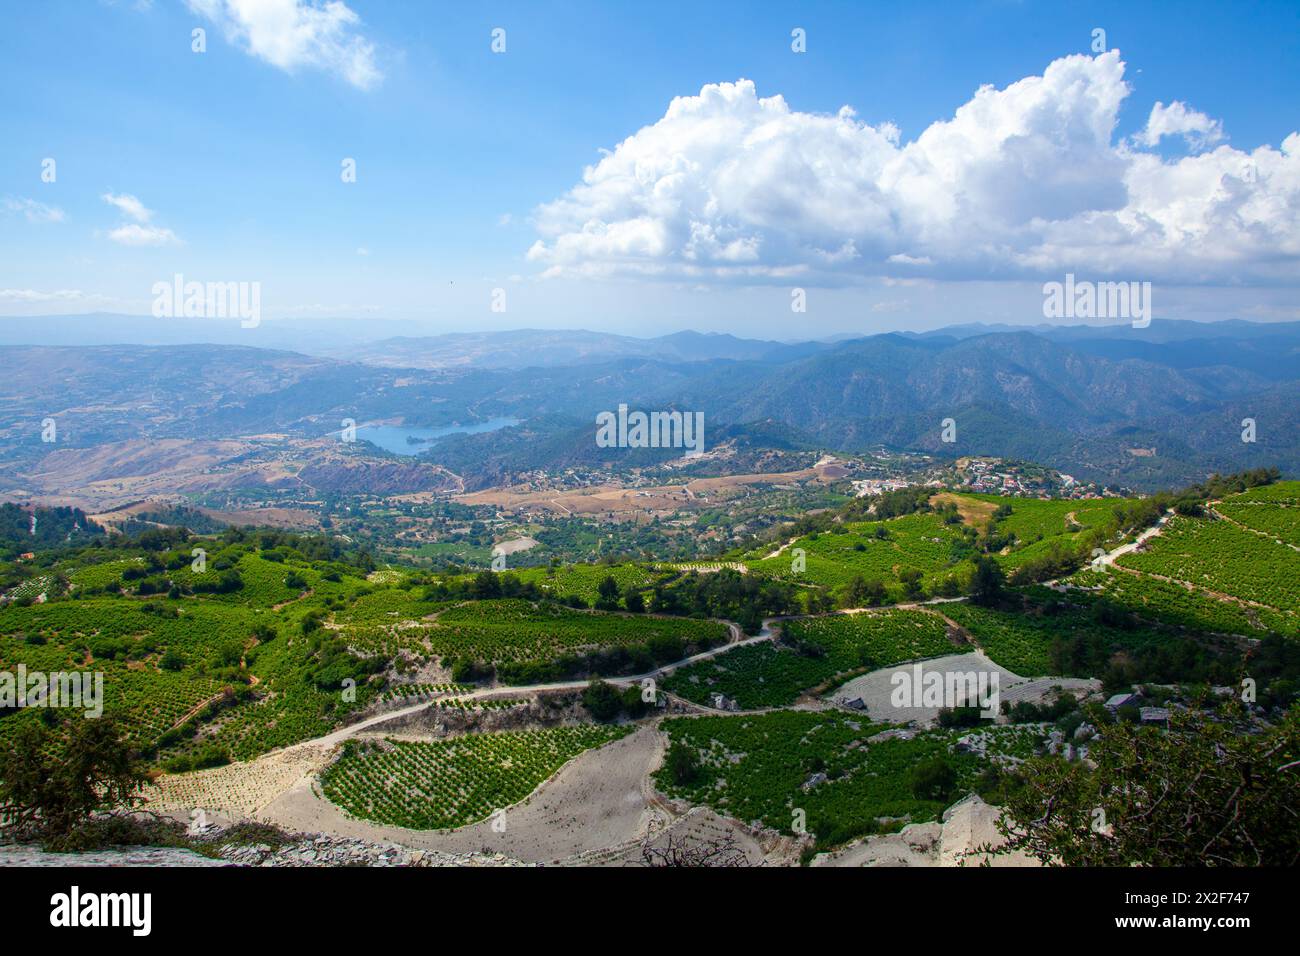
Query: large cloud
{"points": [[1025, 181], [291, 34]]}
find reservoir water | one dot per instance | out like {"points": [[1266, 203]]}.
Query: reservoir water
{"points": [[411, 439]]}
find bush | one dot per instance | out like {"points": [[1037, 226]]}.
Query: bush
{"points": [[932, 779], [959, 717], [602, 700]]}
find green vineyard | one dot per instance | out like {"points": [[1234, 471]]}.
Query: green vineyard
{"points": [[1220, 557], [510, 630], [764, 675], [451, 783], [819, 770]]}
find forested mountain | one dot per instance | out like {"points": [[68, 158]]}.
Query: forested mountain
{"points": [[1093, 403]]}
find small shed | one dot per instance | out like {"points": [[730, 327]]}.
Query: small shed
{"points": [[1154, 715], [1120, 700]]}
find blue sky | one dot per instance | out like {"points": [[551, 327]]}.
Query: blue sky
{"points": [[225, 165]]}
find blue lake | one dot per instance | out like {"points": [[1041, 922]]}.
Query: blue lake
{"points": [[394, 438]]}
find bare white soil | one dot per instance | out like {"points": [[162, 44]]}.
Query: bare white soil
{"points": [[876, 689]]}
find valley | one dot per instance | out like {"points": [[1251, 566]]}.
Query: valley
{"points": [[296, 684]]}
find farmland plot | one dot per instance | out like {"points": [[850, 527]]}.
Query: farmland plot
{"points": [[1220, 557], [583, 580], [511, 630], [764, 675], [445, 784], [1269, 509], [833, 559], [821, 770]]}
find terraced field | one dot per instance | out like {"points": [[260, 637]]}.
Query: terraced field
{"points": [[100, 575], [511, 630], [756, 675], [1065, 642], [1270, 509], [1032, 519], [1220, 557], [212, 676], [1282, 523], [451, 783], [833, 559], [583, 580], [203, 676], [1179, 605], [1039, 526], [1279, 492], [124, 642], [766, 675], [385, 606]]}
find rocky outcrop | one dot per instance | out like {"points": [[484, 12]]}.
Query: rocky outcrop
{"points": [[967, 825], [341, 851]]}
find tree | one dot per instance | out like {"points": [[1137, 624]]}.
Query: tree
{"points": [[862, 592], [633, 600], [607, 594], [986, 583], [682, 763], [632, 703], [819, 602], [932, 779], [1211, 790], [911, 581], [750, 619], [52, 780], [486, 586], [602, 700], [172, 660]]}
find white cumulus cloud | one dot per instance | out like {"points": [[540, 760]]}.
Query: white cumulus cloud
{"points": [[134, 234], [1199, 130], [291, 34], [129, 206], [140, 232], [1019, 182]]}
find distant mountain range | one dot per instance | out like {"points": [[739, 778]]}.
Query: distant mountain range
{"points": [[1093, 402], [534, 348]]}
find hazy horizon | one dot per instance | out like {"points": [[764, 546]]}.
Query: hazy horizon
{"points": [[136, 330]]}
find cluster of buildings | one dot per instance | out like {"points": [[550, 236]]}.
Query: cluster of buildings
{"points": [[997, 477], [1158, 716], [869, 487], [981, 477]]}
